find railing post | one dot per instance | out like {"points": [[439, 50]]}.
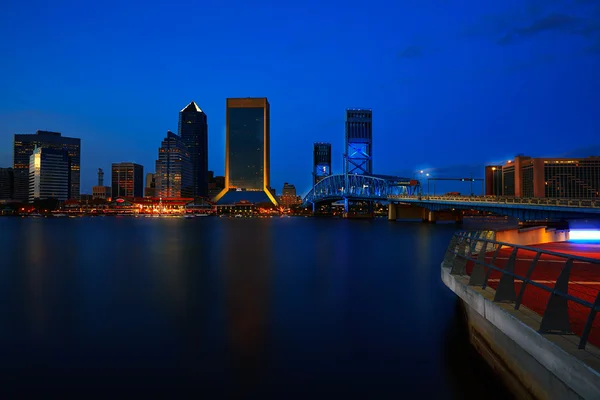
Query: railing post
{"points": [[460, 262], [556, 316], [527, 279], [506, 287], [479, 270], [489, 270], [451, 251], [588, 324]]}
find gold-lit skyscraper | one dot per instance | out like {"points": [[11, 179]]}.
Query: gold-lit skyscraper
{"points": [[247, 152]]}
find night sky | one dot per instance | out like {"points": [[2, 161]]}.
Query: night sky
{"points": [[453, 85]]}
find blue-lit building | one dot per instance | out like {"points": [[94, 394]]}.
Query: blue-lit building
{"points": [[174, 169], [48, 174], [321, 161], [23, 147], [358, 149], [247, 152], [193, 130]]}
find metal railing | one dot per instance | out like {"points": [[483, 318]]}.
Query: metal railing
{"points": [[471, 249], [582, 203]]}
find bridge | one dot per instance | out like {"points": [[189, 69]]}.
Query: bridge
{"points": [[525, 209], [404, 192], [354, 187]]}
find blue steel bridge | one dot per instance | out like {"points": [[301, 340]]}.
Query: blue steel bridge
{"points": [[354, 187]]}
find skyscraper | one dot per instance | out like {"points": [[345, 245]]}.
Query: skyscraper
{"points": [[193, 130], [7, 183], [321, 161], [247, 152], [48, 174], [358, 151], [174, 168], [23, 147], [127, 180]]}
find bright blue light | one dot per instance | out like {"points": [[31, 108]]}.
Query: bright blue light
{"points": [[584, 234]]}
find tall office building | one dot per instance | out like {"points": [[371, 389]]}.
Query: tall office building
{"points": [[7, 184], [127, 180], [193, 130], [358, 150], [575, 178], [23, 147], [247, 152], [174, 168], [48, 174], [321, 161]]}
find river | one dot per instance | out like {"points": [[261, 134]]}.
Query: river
{"points": [[215, 307]]}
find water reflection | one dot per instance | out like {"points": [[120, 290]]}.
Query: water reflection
{"points": [[247, 273], [288, 307]]}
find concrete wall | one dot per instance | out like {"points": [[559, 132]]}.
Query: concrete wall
{"points": [[530, 364], [534, 235]]}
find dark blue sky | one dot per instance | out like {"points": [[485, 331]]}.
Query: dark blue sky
{"points": [[452, 85]]}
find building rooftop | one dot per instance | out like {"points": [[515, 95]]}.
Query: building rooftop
{"points": [[192, 107]]}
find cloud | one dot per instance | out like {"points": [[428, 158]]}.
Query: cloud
{"points": [[552, 22], [411, 52]]}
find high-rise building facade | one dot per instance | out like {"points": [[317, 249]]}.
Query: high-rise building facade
{"points": [[23, 147], [574, 178], [48, 174], [7, 184], [321, 161], [288, 196], [358, 150], [247, 152], [127, 180], [493, 180], [174, 168], [193, 130]]}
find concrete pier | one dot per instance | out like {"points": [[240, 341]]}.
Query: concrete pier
{"points": [[532, 365]]}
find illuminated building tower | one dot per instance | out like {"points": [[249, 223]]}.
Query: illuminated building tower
{"points": [[23, 147], [127, 180], [321, 161], [193, 130], [174, 168], [48, 174], [358, 149], [247, 152]]}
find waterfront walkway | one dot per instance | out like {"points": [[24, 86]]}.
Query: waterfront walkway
{"points": [[584, 280]]}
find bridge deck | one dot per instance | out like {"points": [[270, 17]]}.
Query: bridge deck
{"points": [[584, 283]]}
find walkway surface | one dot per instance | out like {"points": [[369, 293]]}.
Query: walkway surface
{"points": [[584, 282]]}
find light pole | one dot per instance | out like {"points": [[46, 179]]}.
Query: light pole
{"points": [[427, 175]]}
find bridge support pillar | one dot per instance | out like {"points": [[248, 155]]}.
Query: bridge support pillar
{"points": [[313, 208], [431, 216], [458, 218], [346, 206], [392, 212]]}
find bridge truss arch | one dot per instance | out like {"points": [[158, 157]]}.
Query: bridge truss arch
{"points": [[360, 187]]}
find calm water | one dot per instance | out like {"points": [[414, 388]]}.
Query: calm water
{"points": [[281, 308]]}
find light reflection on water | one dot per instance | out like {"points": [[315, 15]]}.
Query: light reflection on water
{"points": [[290, 307]]}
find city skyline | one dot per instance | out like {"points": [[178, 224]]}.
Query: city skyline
{"points": [[488, 82]]}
